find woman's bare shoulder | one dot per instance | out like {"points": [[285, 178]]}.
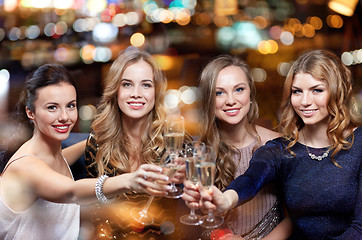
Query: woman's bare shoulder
{"points": [[266, 134]]}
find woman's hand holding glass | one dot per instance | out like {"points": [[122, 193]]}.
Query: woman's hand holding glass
{"points": [[190, 155], [152, 180], [174, 132], [148, 179]]}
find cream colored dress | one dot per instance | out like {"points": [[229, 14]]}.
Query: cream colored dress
{"points": [[44, 220]]}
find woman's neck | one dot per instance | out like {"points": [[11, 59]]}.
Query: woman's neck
{"points": [[315, 136], [239, 135], [45, 147], [135, 129]]}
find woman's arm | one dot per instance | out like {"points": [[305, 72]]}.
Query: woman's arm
{"points": [[196, 197], [43, 182], [74, 152]]}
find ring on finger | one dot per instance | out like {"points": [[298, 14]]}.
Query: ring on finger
{"points": [[145, 175]]}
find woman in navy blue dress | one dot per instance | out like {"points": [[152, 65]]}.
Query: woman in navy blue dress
{"points": [[317, 162]]}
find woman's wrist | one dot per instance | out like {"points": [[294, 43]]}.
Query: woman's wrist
{"points": [[231, 200]]}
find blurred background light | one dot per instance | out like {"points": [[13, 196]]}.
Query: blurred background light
{"points": [[61, 28], [344, 7], [283, 68], [87, 112], [104, 32], [102, 54], [87, 52], [172, 98], [347, 58], [49, 29], [137, 39], [165, 62], [188, 96], [286, 38], [63, 4], [32, 32], [14, 34], [2, 34], [95, 7], [258, 74], [316, 22], [334, 21], [4, 82], [10, 5]]}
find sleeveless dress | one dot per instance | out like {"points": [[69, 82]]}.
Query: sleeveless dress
{"points": [[257, 217], [43, 220]]}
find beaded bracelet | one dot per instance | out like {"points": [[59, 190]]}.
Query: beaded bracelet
{"points": [[99, 190]]}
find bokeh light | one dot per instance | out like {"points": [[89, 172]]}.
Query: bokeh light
{"points": [[4, 81], [316, 22], [87, 112], [172, 98], [32, 32], [347, 58], [334, 21], [286, 38], [258, 74], [137, 39], [87, 53], [188, 96], [283, 68], [105, 32]]}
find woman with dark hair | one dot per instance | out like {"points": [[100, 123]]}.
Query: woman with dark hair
{"points": [[317, 162], [38, 194]]}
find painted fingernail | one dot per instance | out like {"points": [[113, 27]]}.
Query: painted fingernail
{"points": [[166, 178]]}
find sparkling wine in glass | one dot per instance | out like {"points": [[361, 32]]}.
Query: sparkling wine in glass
{"points": [[174, 136], [191, 153], [205, 169]]}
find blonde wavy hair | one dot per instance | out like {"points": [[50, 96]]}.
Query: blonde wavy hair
{"points": [[114, 147], [209, 132], [343, 116]]}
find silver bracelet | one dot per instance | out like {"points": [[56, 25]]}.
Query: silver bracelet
{"points": [[99, 190]]}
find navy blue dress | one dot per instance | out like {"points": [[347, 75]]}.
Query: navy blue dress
{"points": [[323, 201]]}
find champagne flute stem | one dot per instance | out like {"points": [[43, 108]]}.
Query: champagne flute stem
{"points": [[192, 213], [173, 187], [145, 209], [210, 216]]}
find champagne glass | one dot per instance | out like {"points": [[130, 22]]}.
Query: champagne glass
{"points": [[170, 164], [205, 169], [142, 215], [191, 153], [174, 135]]}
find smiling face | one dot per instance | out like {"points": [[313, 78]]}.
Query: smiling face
{"points": [[310, 99], [136, 93], [55, 111], [232, 102]]}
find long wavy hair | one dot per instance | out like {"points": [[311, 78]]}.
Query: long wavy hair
{"points": [[114, 146], [343, 116], [210, 132]]}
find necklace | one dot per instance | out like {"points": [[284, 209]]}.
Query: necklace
{"points": [[313, 156]]}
